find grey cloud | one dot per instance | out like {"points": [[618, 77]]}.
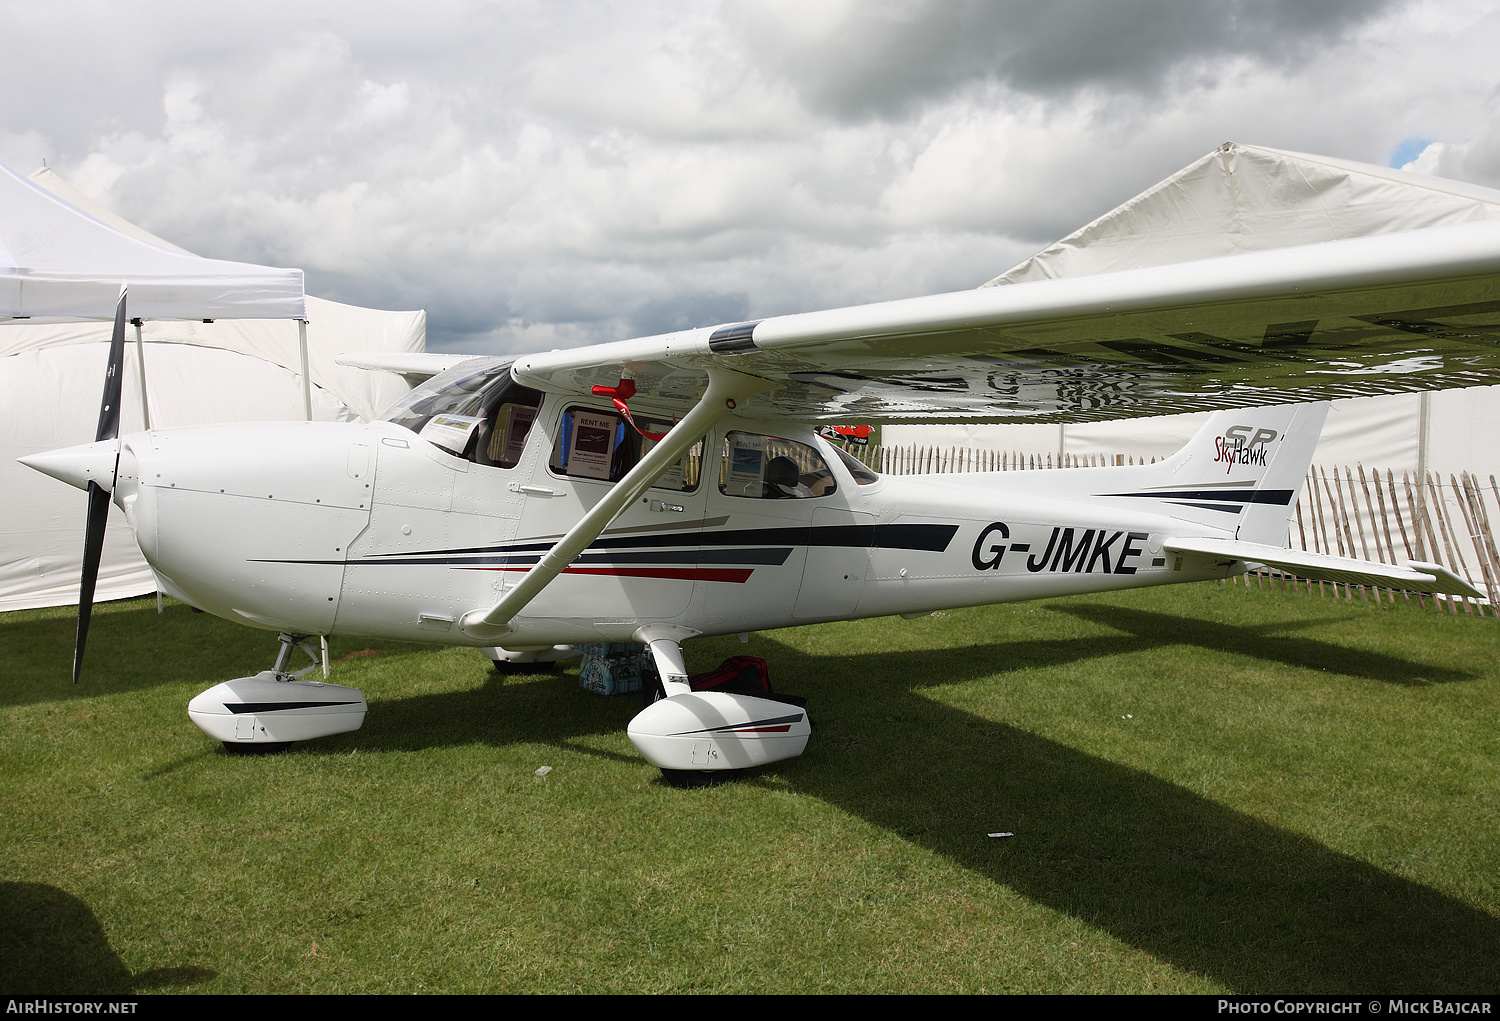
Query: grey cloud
{"points": [[883, 57], [543, 175]]}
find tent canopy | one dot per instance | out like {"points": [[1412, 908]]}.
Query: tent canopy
{"points": [[58, 262], [333, 327], [1242, 198], [196, 373]]}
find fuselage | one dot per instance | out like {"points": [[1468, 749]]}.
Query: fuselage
{"points": [[371, 529]]}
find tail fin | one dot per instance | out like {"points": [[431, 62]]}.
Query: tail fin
{"points": [[1243, 471]]}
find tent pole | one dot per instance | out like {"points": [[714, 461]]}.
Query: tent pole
{"points": [[1424, 418], [140, 366], [306, 381]]}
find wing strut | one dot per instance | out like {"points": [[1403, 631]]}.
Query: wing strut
{"points": [[726, 390]]}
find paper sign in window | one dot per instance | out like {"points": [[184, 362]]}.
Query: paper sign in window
{"points": [[746, 465], [591, 446], [451, 432], [517, 424]]}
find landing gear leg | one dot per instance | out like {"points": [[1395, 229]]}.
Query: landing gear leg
{"points": [[666, 641], [317, 653]]}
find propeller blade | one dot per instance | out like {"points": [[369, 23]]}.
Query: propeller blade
{"points": [[114, 377], [93, 550], [93, 536]]}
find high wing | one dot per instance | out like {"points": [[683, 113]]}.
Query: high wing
{"points": [[1418, 310]]}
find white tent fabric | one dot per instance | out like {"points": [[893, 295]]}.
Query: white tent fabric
{"points": [[1384, 432], [231, 370], [1238, 199], [1241, 198], [56, 261], [332, 329]]}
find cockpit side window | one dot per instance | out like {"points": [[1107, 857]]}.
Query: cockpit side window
{"points": [[863, 474], [506, 416]]}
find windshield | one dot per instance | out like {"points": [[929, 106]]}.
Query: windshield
{"points": [[445, 409], [863, 474]]}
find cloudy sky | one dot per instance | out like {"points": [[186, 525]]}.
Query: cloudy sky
{"points": [[547, 174]]}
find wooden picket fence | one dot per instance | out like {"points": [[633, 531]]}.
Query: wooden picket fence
{"points": [[1442, 522], [916, 460], [1349, 512]]}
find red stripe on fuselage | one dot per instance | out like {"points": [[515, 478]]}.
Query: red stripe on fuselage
{"points": [[735, 575]]}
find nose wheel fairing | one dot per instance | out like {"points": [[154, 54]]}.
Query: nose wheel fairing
{"points": [[277, 707], [268, 708]]}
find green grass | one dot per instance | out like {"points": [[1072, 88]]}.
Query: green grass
{"points": [[1210, 789]]}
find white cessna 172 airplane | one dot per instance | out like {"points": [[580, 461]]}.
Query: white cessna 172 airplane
{"points": [[657, 489]]}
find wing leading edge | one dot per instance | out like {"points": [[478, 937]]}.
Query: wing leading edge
{"points": [[1418, 310]]}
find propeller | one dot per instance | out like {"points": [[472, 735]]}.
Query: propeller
{"points": [[93, 535]]}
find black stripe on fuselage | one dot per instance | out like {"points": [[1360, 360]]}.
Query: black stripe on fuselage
{"points": [[768, 556], [1279, 497], [931, 538], [928, 538]]}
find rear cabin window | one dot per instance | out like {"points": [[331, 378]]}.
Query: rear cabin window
{"points": [[771, 468], [596, 444]]}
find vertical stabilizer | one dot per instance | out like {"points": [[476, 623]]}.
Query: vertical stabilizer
{"points": [[1243, 471]]}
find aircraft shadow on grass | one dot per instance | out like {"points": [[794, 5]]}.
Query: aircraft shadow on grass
{"points": [[50, 942], [1147, 629], [130, 649], [1209, 889]]}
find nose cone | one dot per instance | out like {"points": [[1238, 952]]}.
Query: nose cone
{"points": [[80, 465]]}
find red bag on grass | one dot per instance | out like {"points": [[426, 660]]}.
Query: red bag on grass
{"points": [[742, 675]]}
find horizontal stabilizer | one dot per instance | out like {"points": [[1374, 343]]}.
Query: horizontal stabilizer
{"points": [[416, 366], [1415, 576]]}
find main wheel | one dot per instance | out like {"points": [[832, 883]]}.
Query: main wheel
{"points": [[256, 747], [651, 689], [689, 778]]}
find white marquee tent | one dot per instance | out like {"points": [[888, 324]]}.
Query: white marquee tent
{"points": [[62, 261], [1240, 199]]}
